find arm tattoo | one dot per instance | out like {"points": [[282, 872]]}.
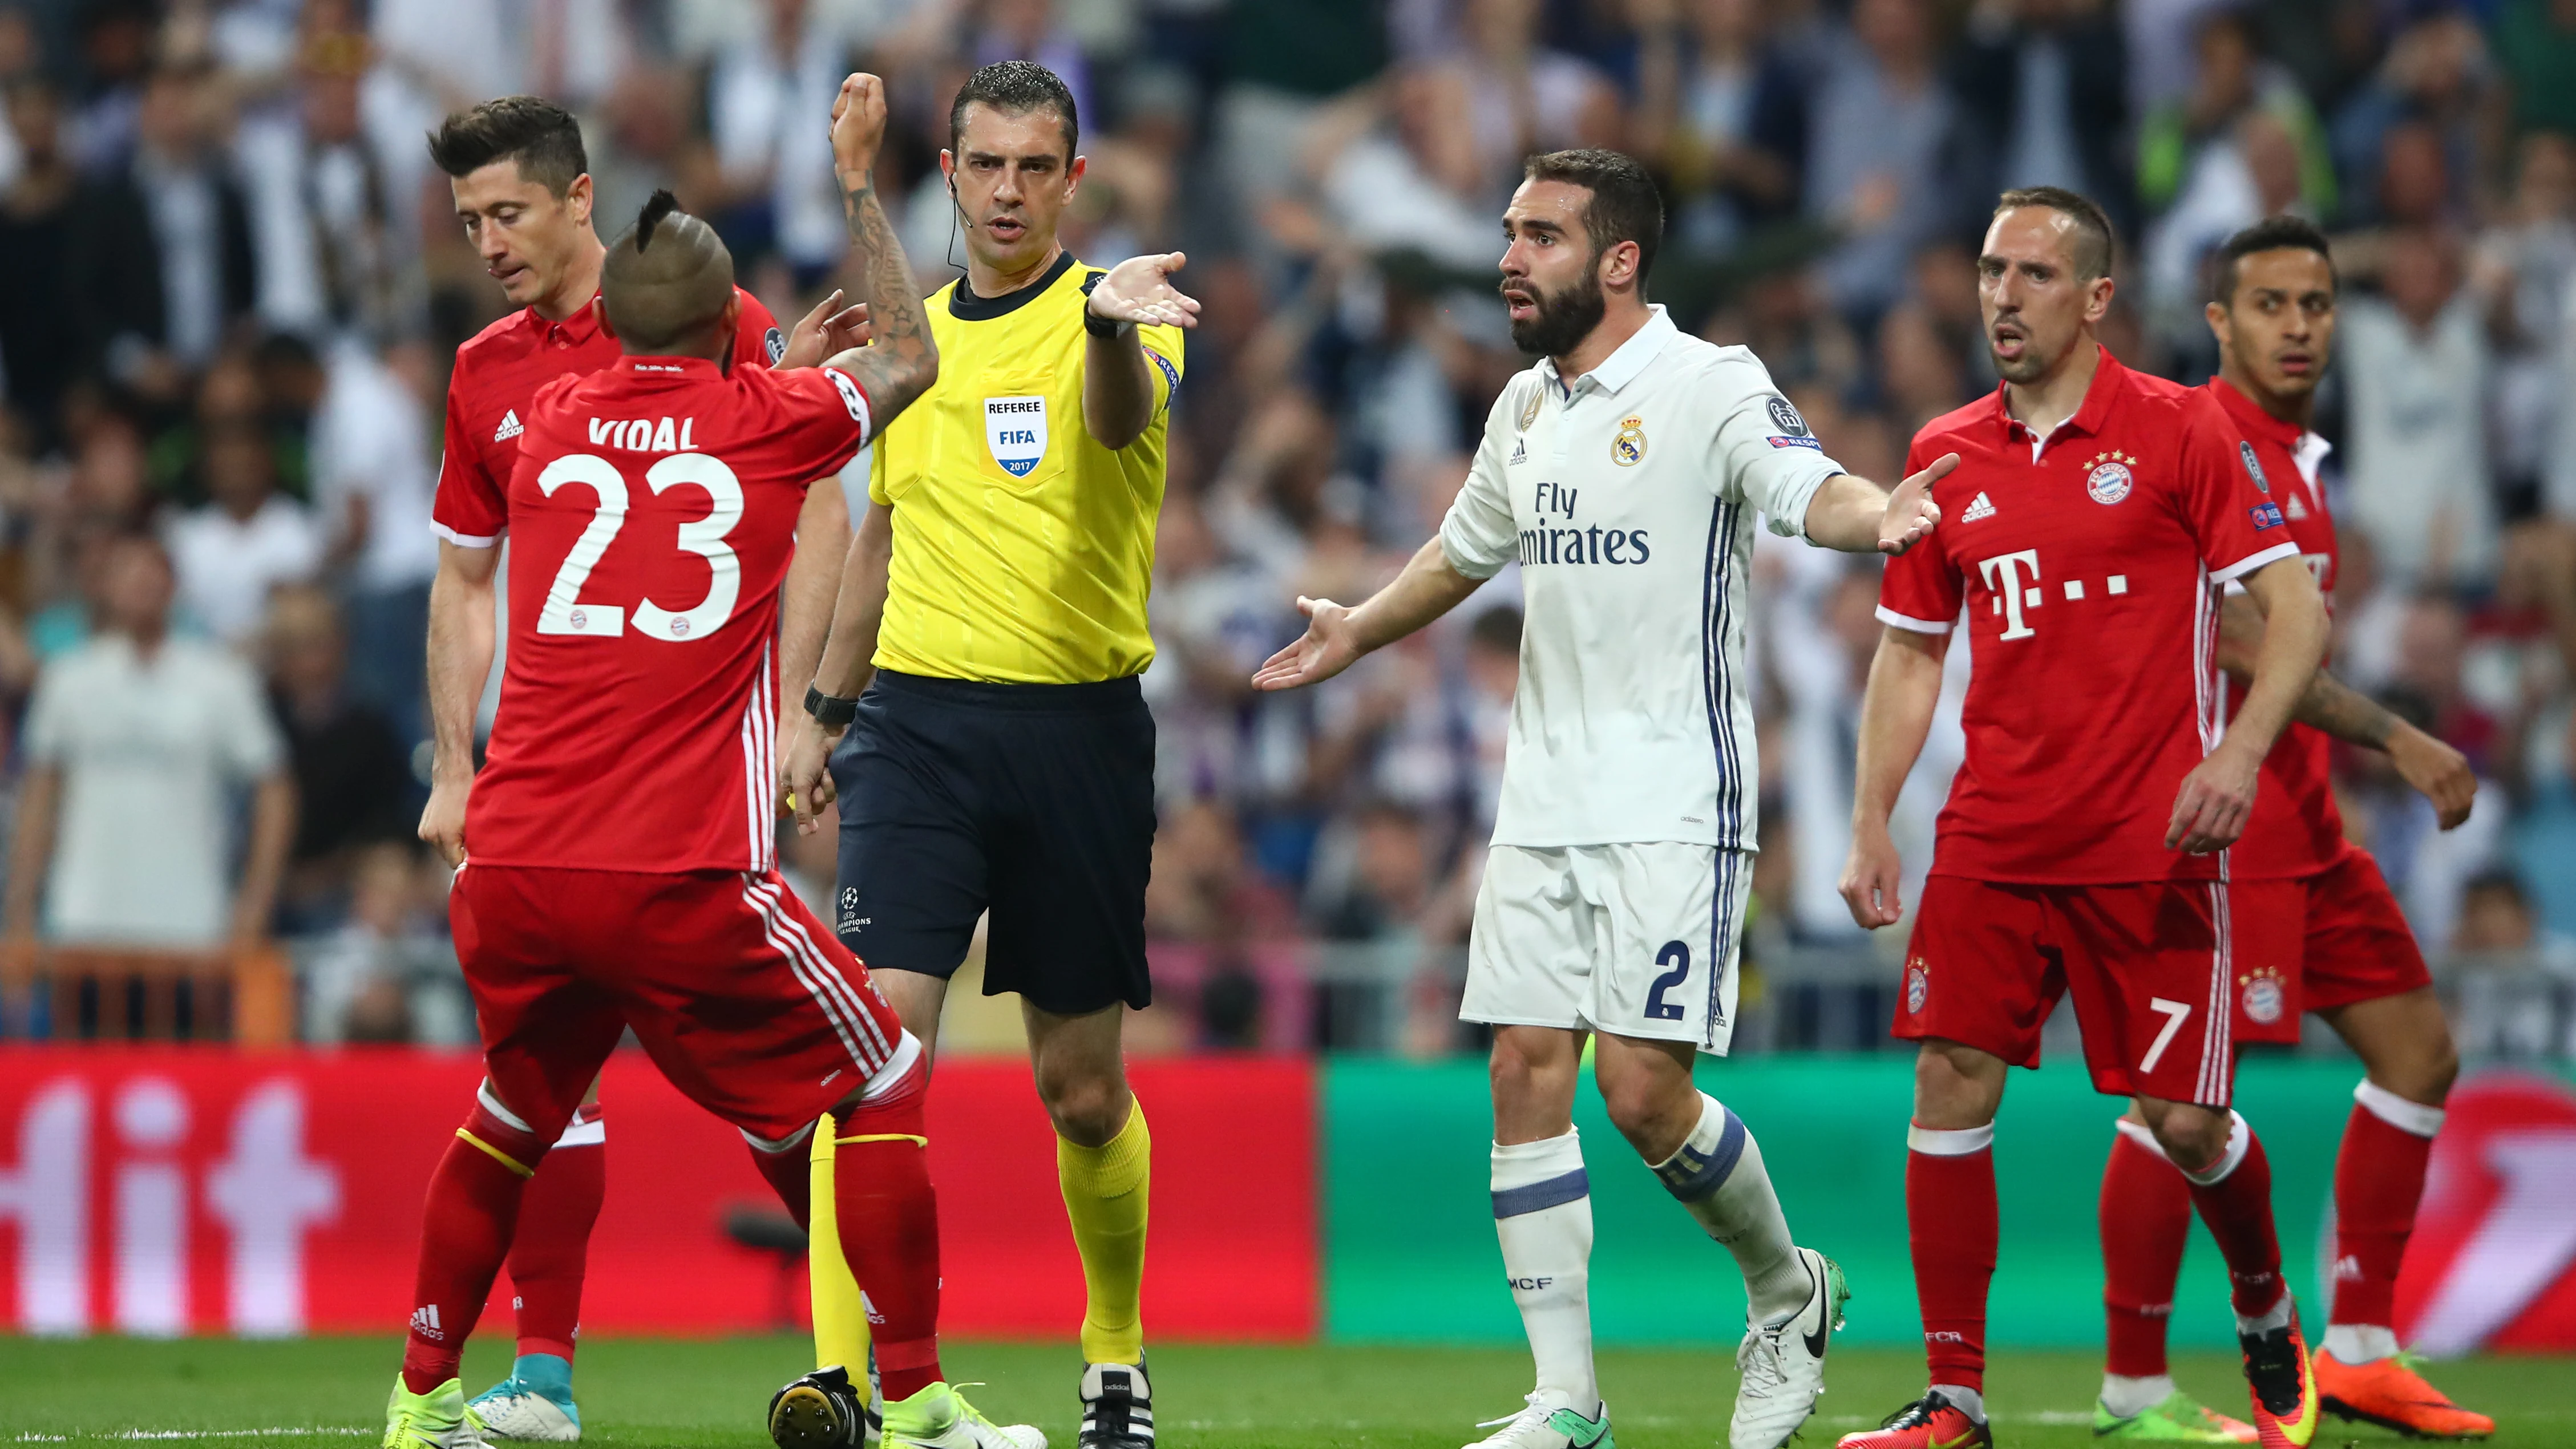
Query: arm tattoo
{"points": [[2345, 713], [904, 361], [2329, 704]]}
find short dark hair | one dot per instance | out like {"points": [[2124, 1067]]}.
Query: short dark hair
{"points": [[2094, 243], [1625, 205], [2271, 234], [541, 136], [1015, 88]]}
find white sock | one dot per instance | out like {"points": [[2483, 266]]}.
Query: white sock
{"points": [[2360, 1343], [2127, 1397], [2276, 1316], [1967, 1401], [1717, 1174], [1543, 1215]]}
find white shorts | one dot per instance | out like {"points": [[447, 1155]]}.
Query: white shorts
{"points": [[1635, 940]]}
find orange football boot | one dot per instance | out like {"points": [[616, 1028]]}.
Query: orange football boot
{"points": [[1930, 1422], [2390, 1393], [2282, 1385]]}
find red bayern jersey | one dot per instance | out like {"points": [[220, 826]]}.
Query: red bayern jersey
{"points": [[2088, 565], [652, 515], [2296, 829], [498, 373]]}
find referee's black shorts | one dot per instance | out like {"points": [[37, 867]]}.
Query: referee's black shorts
{"points": [[1033, 800]]}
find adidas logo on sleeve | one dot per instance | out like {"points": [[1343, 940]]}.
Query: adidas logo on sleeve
{"points": [[1978, 507], [509, 427]]}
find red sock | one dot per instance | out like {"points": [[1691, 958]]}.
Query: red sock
{"points": [[2146, 1217], [2379, 1177], [2237, 1205], [1952, 1224], [464, 1234], [889, 1220], [552, 1246]]}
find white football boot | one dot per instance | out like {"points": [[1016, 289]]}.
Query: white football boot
{"points": [[1549, 1420], [1783, 1363]]}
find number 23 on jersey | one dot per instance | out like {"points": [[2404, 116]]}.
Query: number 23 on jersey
{"points": [[566, 612]]}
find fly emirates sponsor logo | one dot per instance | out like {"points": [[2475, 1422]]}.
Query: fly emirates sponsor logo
{"points": [[1560, 538]]}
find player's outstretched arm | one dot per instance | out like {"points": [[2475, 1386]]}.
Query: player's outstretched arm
{"points": [[1336, 636], [461, 623], [1895, 719], [2218, 795], [904, 361], [1117, 381], [1856, 516], [2435, 770], [849, 655]]}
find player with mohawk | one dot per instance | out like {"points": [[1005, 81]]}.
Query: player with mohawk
{"points": [[654, 507]]}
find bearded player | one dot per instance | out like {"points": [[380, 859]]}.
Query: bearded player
{"points": [[521, 181], [2092, 518], [2316, 927], [1612, 907], [654, 508]]}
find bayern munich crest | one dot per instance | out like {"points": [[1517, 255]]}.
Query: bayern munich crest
{"points": [[2110, 480], [2263, 997], [1918, 985]]}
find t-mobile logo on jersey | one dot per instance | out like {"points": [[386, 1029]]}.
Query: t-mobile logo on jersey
{"points": [[2004, 576], [1593, 545]]}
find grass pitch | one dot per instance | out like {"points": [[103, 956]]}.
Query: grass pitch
{"points": [[661, 1394]]}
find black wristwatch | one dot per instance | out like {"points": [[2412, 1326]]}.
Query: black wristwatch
{"points": [[830, 710], [1099, 326]]}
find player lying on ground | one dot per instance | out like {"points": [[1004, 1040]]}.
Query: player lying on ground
{"points": [[1623, 472], [2093, 516], [984, 660], [2316, 927], [521, 181], [620, 840]]}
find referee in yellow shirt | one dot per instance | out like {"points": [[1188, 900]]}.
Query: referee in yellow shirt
{"points": [[1001, 759]]}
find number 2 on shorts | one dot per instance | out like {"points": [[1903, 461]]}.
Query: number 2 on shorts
{"points": [[1678, 956], [2174, 1013]]}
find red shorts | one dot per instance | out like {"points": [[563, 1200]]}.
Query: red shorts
{"points": [[2327, 940], [746, 1002], [2146, 964]]}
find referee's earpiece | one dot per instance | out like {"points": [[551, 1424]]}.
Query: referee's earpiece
{"points": [[960, 205]]}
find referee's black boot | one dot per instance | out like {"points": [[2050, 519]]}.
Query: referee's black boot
{"points": [[1117, 1407]]}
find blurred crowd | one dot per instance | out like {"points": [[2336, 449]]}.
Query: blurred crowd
{"points": [[231, 286]]}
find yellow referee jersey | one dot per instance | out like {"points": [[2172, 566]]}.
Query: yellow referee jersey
{"points": [[1023, 549]]}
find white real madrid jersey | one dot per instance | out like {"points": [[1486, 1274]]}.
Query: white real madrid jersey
{"points": [[1628, 498]]}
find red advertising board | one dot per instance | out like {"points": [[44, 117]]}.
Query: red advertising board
{"points": [[203, 1190], [2493, 1260]]}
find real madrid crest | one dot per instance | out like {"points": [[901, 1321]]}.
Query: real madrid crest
{"points": [[2110, 480], [2263, 995], [1529, 409], [1629, 448]]}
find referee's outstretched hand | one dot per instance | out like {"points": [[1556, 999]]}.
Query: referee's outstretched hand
{"points": [[1911, 514], [1329, 646], [1140, 290]]}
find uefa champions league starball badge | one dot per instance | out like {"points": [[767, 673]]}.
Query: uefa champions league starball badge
{"points": [[2110, 480]]}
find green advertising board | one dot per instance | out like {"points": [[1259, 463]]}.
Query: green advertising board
{"points": [[1410, 1252]]}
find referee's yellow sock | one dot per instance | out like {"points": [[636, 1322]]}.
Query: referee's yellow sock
{"points": [[840, 1314], [1105, 1190]]}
